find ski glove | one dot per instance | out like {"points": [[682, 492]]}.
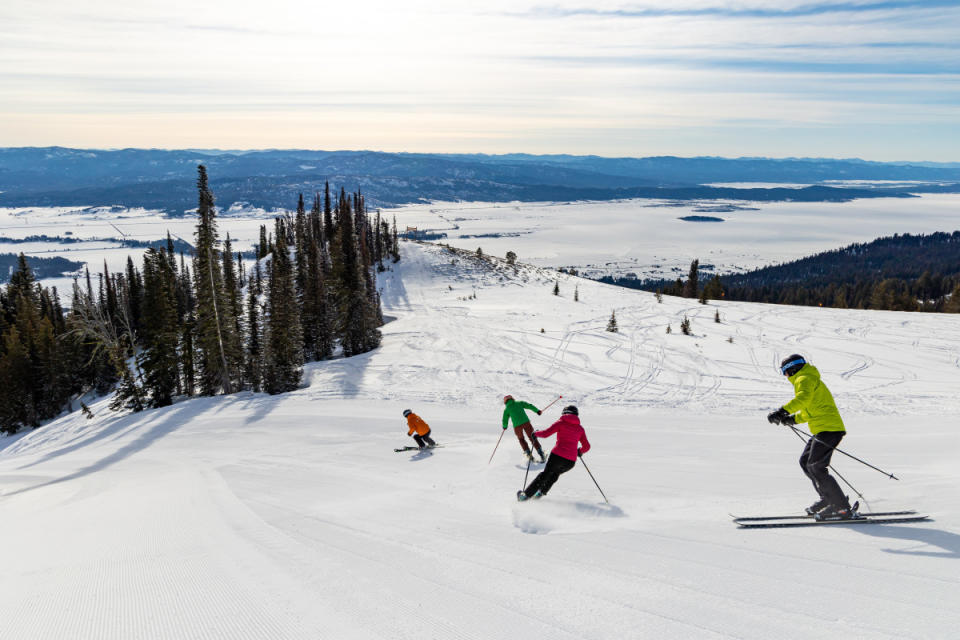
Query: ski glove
{"points": [[539, 413], [780, 416]]}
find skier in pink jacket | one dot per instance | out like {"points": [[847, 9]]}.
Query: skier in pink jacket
{"points": [[571, 443]]}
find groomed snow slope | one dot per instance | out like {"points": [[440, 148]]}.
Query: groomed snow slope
{"points": [[253, 516]]}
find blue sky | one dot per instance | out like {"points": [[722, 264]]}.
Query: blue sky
{"points": [[878, 80]]}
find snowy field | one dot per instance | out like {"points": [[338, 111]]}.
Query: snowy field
{"points": [[648, 238], [92, 224], [642, 237], [253, 516]]}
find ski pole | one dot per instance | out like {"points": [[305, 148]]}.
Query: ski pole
{"points": [[498, 444], [529, 460], [837, 473], [594, 479], [889, 475], [551, 404]]}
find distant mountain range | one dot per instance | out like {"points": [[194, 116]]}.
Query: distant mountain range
{"points": [[164, 179]]}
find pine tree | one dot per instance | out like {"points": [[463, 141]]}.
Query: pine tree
{"points": [[253, 371], [231, 289], [328, 229], [612, 323], [556, 288], [713, 290], [691, 288], [283, 353], [395, 242], [16, 406], [953, 304], [356, 318], [216, 342], [134, 295], [159, 359]]}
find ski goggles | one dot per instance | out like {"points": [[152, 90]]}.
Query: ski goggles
{"points": [[790, 364]]}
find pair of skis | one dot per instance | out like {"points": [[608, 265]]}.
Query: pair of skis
{"points": [[879, 517], [436, 446]]}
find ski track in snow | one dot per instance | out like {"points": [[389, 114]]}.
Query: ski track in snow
{"points": [[253, 516]]}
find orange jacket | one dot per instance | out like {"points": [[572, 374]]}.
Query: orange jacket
{"points": [[417, 424]]}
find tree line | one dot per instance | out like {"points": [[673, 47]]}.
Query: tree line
{"points": [[902, 272], [202, 324]]}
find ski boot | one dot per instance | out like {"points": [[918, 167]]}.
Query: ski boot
{"points": [[528, 455], [543, 459], [537, 495], [521, 496], [817, 506], [845, 512]]}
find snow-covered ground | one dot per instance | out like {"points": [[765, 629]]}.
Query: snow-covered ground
{"points": [[643, 237], [253, 516], [648, 238], [87, 226]]}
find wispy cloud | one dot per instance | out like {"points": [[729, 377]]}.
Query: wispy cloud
{"points": [[804, 10], [610, 77], [764, 65]]}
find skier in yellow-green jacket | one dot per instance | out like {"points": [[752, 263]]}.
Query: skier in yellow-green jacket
{"points": [[813, 404]]}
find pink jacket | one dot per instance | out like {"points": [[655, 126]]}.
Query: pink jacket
{"points": [[569, 435]]}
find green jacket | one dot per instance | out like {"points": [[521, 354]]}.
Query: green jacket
{"points": [[813, 402], [515, 411]]}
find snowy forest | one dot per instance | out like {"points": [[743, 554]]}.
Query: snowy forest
{"points": [[199, 324], [903, 272]]}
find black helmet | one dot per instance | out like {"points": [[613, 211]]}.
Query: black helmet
{"points": [[791, 364], [570, 410], [406, 412]]}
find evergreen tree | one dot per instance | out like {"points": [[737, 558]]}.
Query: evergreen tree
{"points": [[612, 323], [253, 372], [159, 359], [714, 289], [395, 243], [283, 353], [134, 295], [691, 288], [328, 229], [357, 319], [953, 304], [16, 406], [216, 340]]}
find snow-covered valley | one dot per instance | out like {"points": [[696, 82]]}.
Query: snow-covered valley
{"points": [[255, 516]]}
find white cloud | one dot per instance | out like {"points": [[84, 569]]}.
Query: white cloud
{"points": [[443, 76]]}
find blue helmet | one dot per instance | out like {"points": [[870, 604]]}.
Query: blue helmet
{"points": [[792, 364]]}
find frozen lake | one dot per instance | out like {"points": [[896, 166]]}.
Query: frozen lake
{"points": [[644, 237]]}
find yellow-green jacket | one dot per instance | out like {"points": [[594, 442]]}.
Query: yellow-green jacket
{"points": [[813, 402]]}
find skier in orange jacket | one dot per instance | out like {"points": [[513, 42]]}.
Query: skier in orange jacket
{"points": [[419, 429]]}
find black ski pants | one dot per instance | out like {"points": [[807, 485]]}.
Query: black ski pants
{"points": [[815, 461], [424, 440], [556, 465]]}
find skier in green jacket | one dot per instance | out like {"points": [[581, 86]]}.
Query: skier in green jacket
{"points": [[813, 403], [515, 411]]}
